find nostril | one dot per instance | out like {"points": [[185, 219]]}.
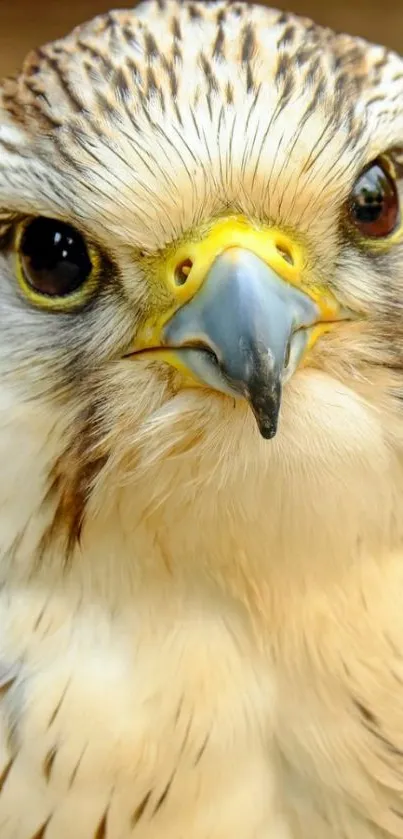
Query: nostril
{"points": [[182, 271], [285, 254]]}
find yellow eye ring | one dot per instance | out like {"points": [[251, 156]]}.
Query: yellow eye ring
{"points": [[56, 269], [375, 195]]}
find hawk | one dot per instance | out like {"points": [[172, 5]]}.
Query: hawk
{"points": [[201, 431]]}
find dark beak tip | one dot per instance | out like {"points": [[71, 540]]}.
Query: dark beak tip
{"points": [[267, 432], [265, 403], [267, 429], [267, 422]]}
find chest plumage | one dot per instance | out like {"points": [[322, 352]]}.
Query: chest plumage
{"points": [[200, 431]]}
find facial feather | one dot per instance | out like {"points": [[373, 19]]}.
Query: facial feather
{"points": [[169, 577], [104, 130]]}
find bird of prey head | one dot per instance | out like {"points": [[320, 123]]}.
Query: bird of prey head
{"points": [[201, 273], [201, 344]]}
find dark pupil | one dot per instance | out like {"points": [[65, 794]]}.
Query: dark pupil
{"points": [[55, 258], [372, 195]]}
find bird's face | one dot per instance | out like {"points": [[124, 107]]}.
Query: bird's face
{"points": [[200, 249]]}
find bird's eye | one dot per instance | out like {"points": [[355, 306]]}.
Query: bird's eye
{"points": [[54, 265], [374, 202]]}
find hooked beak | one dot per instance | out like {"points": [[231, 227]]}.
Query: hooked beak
{"points": [[246, 323], [245, 327]]}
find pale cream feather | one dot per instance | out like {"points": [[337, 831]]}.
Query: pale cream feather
{"points": [[222, 655]]}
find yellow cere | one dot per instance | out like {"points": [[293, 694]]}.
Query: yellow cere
{"points": [[281, 252]]}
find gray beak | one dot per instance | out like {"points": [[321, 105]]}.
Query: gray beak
{"points": [[244, 332]]}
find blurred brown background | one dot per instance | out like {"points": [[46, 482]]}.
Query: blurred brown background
{"points": [[28, 23]]}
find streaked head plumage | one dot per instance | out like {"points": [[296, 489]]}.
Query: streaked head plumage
{"points": [[143, 129]]}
